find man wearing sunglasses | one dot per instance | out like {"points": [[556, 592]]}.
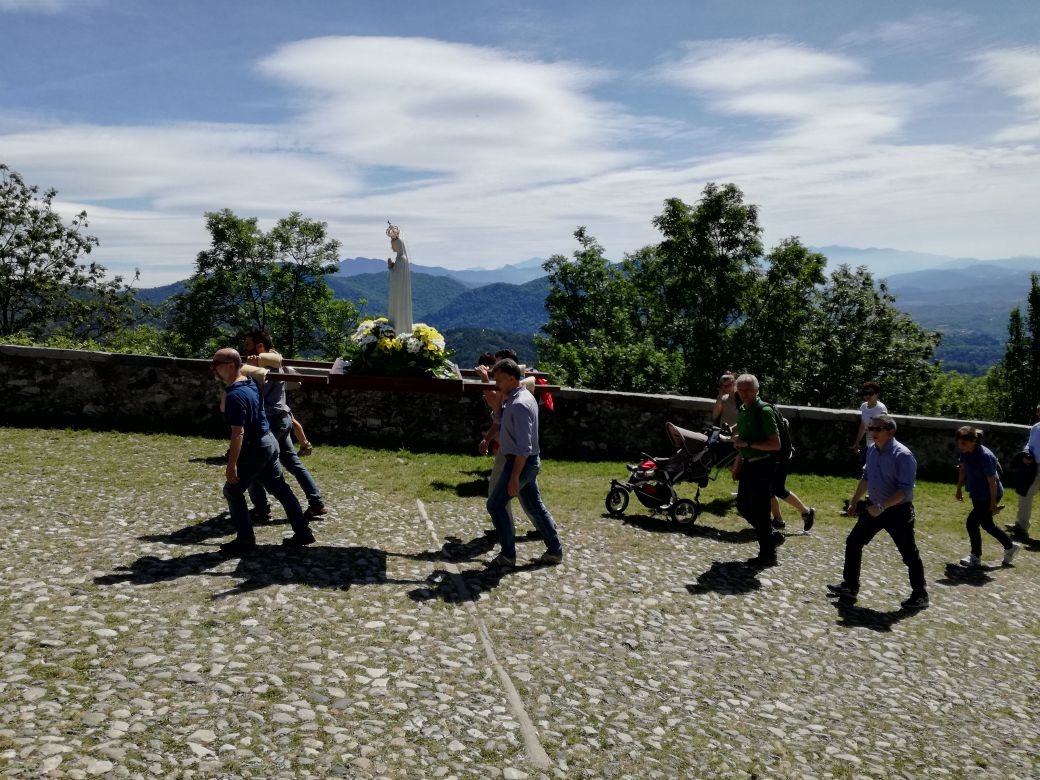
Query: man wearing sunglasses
{"points": [[888, 482], [253, 455]]}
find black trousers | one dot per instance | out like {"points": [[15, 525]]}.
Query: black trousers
{"points": [[899, 523], [753, 495], [981, 517]]}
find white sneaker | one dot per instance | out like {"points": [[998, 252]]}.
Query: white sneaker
{"points": [[1010, 552], [971, 560]]}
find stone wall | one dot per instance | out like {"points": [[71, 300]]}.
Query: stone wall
{"points": [[51, 387]]}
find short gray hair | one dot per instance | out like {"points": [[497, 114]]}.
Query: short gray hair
{"points": [[745, 379], [887, 420]]}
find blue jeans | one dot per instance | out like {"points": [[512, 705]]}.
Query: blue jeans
{"points": [[530, 500], [258, 462], [281, 428]]}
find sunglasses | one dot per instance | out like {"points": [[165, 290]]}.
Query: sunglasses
{"points": [[868, 392], [875, 429]]}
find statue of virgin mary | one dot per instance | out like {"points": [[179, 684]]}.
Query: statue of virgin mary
{"points": [[400, 301]]}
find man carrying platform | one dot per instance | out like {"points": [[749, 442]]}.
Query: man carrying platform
{"points": [[253, 455], [260, 351]]}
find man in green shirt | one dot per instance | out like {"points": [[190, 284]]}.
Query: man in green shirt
{"points": [[758, 437]]}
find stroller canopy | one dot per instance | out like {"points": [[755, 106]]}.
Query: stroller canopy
{"points": [[683, 439]]}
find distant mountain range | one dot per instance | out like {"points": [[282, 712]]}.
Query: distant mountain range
{"points": [[471, 277], [967, 300], [886, 262]]}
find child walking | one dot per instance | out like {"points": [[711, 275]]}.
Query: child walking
{"points": [[978, 470]]}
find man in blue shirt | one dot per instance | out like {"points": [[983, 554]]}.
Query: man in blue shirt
{"points": [[518, 439], [888, 482], [253, 455]]}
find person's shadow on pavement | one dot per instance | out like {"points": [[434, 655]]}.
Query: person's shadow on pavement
{"points": [[665, 524], [853, 616], [467, 585], [956, 574], [315, 566], [729, 578]]}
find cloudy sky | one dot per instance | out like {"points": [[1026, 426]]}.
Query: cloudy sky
{"points": [[490, 130]]}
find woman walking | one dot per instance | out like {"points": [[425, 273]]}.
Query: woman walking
{"points": [[978, 470]]}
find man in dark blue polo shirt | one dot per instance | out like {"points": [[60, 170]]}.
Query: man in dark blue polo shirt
{"points": [[253, 455]]}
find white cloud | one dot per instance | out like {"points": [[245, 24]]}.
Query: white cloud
{"points": [[451, 109], [822, 100], [913, 33], [44, 6], [1017, 72], [486, 156]]}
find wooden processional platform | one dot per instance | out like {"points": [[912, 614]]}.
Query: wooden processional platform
{"points": [[331, 375]]}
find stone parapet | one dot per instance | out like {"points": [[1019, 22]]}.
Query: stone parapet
{"points": [[56, 387]]}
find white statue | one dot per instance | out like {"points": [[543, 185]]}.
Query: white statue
{"points": [[400, 302]]}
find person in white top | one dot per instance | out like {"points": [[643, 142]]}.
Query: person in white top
{"points": [[868, 410]]}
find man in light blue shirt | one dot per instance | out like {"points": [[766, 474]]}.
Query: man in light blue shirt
{"points": [[1025, 500], [888, 482], [518, 439]]}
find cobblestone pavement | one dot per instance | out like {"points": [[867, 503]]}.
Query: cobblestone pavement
{"points": [[130, 648]]}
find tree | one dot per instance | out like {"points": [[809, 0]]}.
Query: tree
{"points": [[708, 261], [594, 335], [275, 281], [859, 335], [1015, 381], [964, 397], [773, 340], [44, 289]]}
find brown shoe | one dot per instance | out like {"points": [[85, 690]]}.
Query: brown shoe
{"points": [[315, 510]]}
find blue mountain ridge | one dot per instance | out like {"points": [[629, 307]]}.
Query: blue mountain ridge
{"points": [[967, 300]]}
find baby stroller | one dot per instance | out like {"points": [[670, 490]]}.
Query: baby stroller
{"points": [[653, 480]]}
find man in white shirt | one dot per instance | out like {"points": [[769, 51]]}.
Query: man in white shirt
{"points": [[868, 410]]}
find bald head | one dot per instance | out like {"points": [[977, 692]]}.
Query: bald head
{"points": [[228, 355]]}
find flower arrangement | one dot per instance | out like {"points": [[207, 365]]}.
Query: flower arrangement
{"points": [[381, 351]]}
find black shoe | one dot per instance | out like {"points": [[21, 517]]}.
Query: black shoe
{"points": [[238, 548], [763, 561], [918, 600], [1016, 531], [808, 518], [841, 590], [315, 510], [260, 514], [298, 539], [778, 538], [778, 523], [501, 562]]}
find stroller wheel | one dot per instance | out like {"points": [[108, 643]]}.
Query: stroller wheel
{"points": [[684, 511], [617, 502]]}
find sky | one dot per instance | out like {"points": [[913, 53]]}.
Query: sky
{"points": [[489, 131]]}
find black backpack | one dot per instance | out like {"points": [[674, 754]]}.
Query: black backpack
{"points": [[783, 425]]}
